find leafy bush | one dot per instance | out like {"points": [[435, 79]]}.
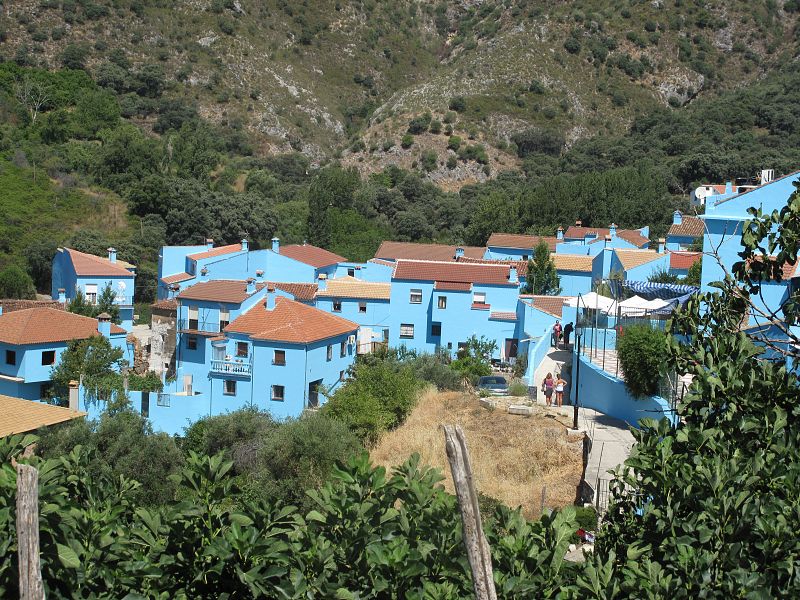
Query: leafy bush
{"points": [[457, 104], [16, 283], [419, 124], [535, 140], [642, 353], [517, 388], [454, 143], [572, 45]]}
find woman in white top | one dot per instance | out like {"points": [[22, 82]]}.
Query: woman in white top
{"points": [[560, 383]]}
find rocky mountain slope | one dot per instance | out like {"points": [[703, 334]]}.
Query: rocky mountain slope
{"points": [[346, 78]]}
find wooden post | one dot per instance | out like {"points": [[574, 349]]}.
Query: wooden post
{"points": [[30, 572], [478, 553]]}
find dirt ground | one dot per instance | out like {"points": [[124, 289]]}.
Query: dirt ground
{"points": [[513, 457]]}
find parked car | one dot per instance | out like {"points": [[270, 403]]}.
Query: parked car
{"points": [[494, 384]]}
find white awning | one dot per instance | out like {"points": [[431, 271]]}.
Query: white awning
{"points": [[595, 301]]}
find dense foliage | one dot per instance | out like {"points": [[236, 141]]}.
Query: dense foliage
{"points": [[542, 277], [642, 352]]}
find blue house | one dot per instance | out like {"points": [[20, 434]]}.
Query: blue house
{"points": [[509, 246], [619, 238], [32, 341], [179, 266], [75, 272], [684, 231], [578, 273], [440, 305], [639, 265], [363, 302]]}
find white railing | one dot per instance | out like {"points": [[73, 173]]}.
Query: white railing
{"points": [[231, 367]]}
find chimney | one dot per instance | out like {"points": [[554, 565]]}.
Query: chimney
{"points": [[661, 243], [62, 296], [512, 275], [204, 273], [677, 218], [579, 223], [767, 175], [269, 304], [251, 286], [245, 245], [607, 241], [322, 282], [209, 243], [728, 187], [612, 229], [259, 273], [560, 233], [112, 255], [459, 252], [104, 324], [276, 245], [74, 396]]}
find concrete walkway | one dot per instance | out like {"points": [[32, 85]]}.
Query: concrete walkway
{"points": [[611, 445], [553, 362]]}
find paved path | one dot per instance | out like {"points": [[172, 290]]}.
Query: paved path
{"points": [[612, 441], [553, 362]]}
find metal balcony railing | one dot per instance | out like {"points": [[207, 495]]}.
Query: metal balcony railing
{"points": [[230, 367], [196, 325]]}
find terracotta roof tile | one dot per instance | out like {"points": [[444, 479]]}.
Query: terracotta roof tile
{"points": [[87, 265], [631, 259], [521, 265], [503, 316], [480, 306], [520, 241], [169, 304], [408, 250], [13, 304], [688, 227], [380, 261], [683, 260], [218, 251], [312, 255], [302, 292], [47, 326], [491, 274], [452, 286], [233, 291], [573, 262], [788, 270], [350, 287], [290, 322], [552, 305], [20, 416], [177, 278], [633, 236]]}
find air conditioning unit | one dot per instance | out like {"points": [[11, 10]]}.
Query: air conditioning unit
{"points": [[351, 340]]}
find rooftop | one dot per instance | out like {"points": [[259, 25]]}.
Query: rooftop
{"points": [[312, 255], [88, 265], [630, 259], [572, 262], [350, 287], [302, 292], [461, 272], [177, 278], [47, 326], [231, 291], [683, 260], [19, 416], [688, 227], [409, 250], [552, 305], [290, 322], [521, 241], [13, 304], [633, 236], [218, 251]]}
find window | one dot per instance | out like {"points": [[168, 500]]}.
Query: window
{"points": [[524, 257], [277, 393], [415, 297], [45, 389], [91, 293], [191, 342], [442, 302], [436, 329], [241, 349], [351, 272], [330, 353], [279, 358], [407, 330], [224, 318], [362, 307], [230, 387], [479, 298], [193, 317], [49, 357], [342, 349], [11, 357], [337, 306], [341, 375]]}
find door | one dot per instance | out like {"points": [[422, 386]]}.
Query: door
{"points": [[218, 352], [187, 385], [313, 393], [511, 348]]}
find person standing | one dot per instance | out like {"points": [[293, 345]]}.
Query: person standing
{"points": [[567, 332], [547, 388], [556, 333], [560, 385]]}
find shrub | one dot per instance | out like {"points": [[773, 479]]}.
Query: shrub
{"points": [[517, 388], [452, 162], [407, 141], [436, 126], [16, 283], [454, 143], [535, 140], [429, 160], [458, 104], [419, 124], [572, 45], [228, 432], [642, 355], [435, 369]]}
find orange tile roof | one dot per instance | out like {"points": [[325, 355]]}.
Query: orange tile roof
{"points": [[633, 236], [302, 292], [47, 326], [177, 278], [88, 265], [552, 305], [683, 260], [13, 304], [521, 265], [634, 258], [572, 262], [688, 227], [290, 322], [788, 270], [312, 255], [169, 304], [503, 316], [218, 251], [452, 286], [233, 291], [492, 274], [19, 416], [415, 251], [526, 242], [350, 287], [380, 261]]}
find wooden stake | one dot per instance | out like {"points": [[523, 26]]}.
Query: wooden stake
{"points": [[30, 572], [478, 553]]}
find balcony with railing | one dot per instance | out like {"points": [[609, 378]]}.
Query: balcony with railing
{"points": [[230, 367], [197, 326]]}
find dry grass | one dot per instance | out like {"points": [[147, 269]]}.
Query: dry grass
{"points": [[513, 457]]}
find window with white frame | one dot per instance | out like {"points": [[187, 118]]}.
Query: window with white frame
{"points": [[407, 330], [91, 293], [479, 298], [224, 318], [277, 393], [415, 297]]}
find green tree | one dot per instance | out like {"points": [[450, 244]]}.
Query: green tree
{"points": [[333, 187], [694, 275], [74, 57], [16, 283], [97, 363], [542, 277], [642, 352], [474, 358], [39, 257]]}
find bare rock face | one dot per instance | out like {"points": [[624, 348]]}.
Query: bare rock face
{"points": [[680, 86]]}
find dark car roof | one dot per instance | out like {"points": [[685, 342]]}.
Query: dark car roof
{"points": [[492, 379]]}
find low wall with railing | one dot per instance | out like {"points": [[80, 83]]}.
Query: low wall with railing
{"points": [[537, 350]]}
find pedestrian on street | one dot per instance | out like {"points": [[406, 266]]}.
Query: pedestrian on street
{"points": [[567, 332]]}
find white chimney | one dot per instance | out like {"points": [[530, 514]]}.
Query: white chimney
{"points": [[112, 255], [560, 233], [661, 243], [767, 175], [209, 243], [612, 229], [104, 324], [251, 286], [677, 218], [459, 252], [276, 245], [269, 304], [62, 296], [512, 275], [245, 245], [322, 282], [74, 397]]}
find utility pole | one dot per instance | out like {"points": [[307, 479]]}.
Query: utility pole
{"points": [[577, 380]]}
